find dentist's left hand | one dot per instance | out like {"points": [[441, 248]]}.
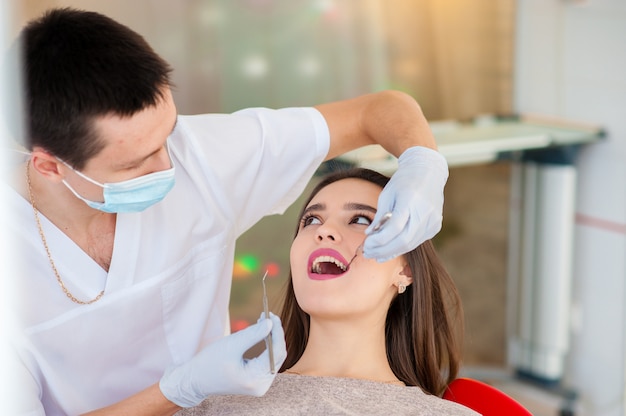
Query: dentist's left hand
{"points": [[414, 197], [220, 367]]}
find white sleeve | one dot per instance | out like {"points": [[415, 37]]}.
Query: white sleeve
{"points": [[22, 390], [260, 158]]}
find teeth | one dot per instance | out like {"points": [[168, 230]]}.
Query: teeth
{"points": [[317, 268]]}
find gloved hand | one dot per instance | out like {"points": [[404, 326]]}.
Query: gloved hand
{"points": [[414, 196], [221, 369]]}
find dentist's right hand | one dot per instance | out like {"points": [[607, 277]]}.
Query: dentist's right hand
{"points": [[220, 367]]}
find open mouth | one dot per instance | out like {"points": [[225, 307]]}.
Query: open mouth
{"points": [[328, 265]]}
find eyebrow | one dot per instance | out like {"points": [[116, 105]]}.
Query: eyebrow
{"points": [[354, 206], [348, 206], [141, 159], [314, 207]]}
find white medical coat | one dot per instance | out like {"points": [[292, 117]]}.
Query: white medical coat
{"points": [[168, 286]]}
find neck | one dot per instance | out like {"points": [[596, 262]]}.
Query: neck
{"points": [[92, 230], [59, 205], [346, 349]]}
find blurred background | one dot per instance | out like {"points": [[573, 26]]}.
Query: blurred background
{"points": [[229, 55], [461, 60]]}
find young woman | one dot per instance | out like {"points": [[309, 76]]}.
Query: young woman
{"points": [[362, 337]]}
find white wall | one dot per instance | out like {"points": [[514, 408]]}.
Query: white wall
{"points": [[571, 63]]}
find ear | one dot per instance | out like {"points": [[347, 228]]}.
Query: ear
{"points": [[406, 271], [47, 165], [404, 277]]}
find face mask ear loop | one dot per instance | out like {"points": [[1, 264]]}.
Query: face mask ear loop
{"points": [[67, 185], [82, 175], [92, 204]]}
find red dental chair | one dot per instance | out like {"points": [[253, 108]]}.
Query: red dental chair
{"points": [[483, 398]]}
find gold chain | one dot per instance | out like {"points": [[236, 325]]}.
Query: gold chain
{"points": [[45, 245]]}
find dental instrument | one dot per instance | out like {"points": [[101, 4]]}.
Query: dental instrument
{"points": [[268, 339], [376, 228]]}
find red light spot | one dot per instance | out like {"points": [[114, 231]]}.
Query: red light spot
{"points": [[238, 325], [273, 269]]}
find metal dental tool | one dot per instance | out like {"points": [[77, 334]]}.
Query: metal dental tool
{"points": [[268, 339], [376, 228]]}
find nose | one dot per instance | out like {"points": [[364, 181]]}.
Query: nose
{"points": [[327, 231]]}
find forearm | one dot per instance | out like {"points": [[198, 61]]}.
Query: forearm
{"points": [[391, 119], [147, 402]]}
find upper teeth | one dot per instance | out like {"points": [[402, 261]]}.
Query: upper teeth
{"points": [[317, 268]]}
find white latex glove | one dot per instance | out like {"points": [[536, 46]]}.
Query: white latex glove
{"points": [[414, 196], [221, 369]]}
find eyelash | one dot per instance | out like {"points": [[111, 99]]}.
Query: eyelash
{"points": [[306, 219], [131, 168], [368, 216], [138, 165]]}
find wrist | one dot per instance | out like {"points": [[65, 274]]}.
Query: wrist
{"points": [[420, 155], [168, 406], [172, 389]]}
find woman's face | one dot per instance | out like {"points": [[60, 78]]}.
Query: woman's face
{"points": [[331, 229]]}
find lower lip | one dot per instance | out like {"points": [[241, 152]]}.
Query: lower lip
{"points": [[315, 276]]}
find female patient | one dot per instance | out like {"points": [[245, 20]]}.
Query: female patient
{"points": [[363, 338]]}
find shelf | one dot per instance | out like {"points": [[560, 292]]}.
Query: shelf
{"points": [[486, 140]]}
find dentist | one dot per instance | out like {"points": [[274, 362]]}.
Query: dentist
{"points": [[126, 216]]}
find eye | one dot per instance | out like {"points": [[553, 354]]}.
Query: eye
{"points": [[361, 219], [137, 166], [134, 165], [309, 220]]}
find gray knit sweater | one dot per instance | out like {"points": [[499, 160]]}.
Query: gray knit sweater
{"points": [[292, 394]]}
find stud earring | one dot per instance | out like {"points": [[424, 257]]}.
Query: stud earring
{"points": [[401, 288]]}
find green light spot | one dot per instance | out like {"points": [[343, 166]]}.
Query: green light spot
{"points": [[249, 262]]}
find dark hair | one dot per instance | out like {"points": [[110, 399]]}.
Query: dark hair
{"points": [[424, 325], [79, 65]]}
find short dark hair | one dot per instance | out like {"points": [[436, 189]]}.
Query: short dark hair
{"points": [[424, 326], [79, 65]]}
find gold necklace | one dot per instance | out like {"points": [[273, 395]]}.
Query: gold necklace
{"points": [[45, 245], [376, 381]]}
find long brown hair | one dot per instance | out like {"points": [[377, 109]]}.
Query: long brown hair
{"points": [[424, 325]]}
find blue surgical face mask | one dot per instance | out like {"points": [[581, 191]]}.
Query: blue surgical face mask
{"points": [[133, 195]]}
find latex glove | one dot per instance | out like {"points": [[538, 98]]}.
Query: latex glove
{"points": [[414, 196], [221, 369]]}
